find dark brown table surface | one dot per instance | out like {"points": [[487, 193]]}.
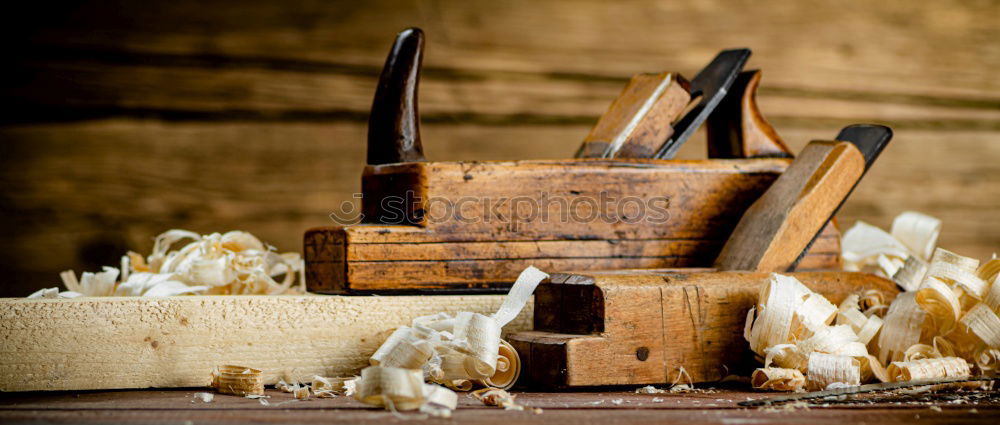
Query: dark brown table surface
{"points": [[178, 406]]}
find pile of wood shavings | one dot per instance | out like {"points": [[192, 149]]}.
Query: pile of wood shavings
{"points": [[457, 351], [944, 325], [232, 263]]}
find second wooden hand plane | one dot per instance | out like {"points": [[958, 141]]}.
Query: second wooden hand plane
{"points": [[432, 227], [638, 327]]}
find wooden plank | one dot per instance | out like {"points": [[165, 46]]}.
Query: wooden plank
{"points": [[104, 343]]}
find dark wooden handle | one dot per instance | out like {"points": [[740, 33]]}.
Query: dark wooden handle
{"points": [[394, 123], [775, 230], [639, 119], [738, 130]]}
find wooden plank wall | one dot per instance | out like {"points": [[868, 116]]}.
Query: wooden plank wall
{"points": [[123, 119]]}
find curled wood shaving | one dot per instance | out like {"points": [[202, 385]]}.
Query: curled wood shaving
{"points": [[391, 387], [788, 325], [958, 271], [301, 393], [232, 263], [983, 322], [920, 352], [777, 379], [825, 370], [992, 299], [849, 313], [863, 243], [399, 389], [508, 368], [459, 384], [989, 270], [324, 387], [918, 232], [868, 248], [988, 361], [945, 367], [911, 274], [238, 380], [903, 327], [940, 301], [770, 324]]}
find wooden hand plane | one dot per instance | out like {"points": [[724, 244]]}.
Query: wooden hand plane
{"points": [[637, 327]]}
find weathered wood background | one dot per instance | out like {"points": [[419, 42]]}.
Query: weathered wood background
{"points": [[123, 119]]}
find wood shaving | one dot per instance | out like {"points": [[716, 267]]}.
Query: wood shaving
{"points": [[916, 231], [786, 328], [825, 370], [286, 387], [945, 324], [508, 368], [989, 270], [497, 397], [903, 327], [391, 387], [868, 248], [983, 322], [323, 387], [301, 393], [911, 274], [649, 389], [945, 367], [232, 263], [238, 380], [777, 379], [462, 349], [204, 397], [940, 301]]}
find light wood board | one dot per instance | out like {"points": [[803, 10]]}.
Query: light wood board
{"points": [[118, 342]]}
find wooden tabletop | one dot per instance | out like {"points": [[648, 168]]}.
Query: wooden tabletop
{"points": [[605, 407]]}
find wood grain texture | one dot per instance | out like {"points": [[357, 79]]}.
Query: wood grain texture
{"points": [[104, 343], [123, 120], [373, 258], [576, 199], [618, 328], [779, 226]]}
